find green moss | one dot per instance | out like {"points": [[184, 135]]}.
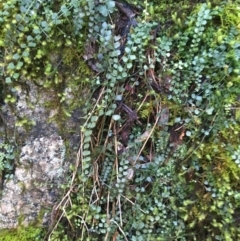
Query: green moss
{"points": [[22, 234], [230, 16]]}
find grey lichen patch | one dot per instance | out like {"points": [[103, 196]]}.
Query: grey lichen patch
{"points": [[36, 182], [30, 110], [41, 165]]}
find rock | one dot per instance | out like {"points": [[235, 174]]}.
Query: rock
{"points": [[42, 165], [36, 182]]}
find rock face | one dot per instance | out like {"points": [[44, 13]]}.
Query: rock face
{"points": [[41, 167], [34, 186]]}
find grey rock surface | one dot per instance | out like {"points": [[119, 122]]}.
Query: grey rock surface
{"points": [[41, 167]]}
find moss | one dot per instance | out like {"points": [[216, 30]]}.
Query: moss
{"points": [[230, 16], [22, 234], [32, 232]]}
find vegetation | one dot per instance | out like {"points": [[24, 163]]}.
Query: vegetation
{"points": [[7, 156], [21, 234], [159, 155]]}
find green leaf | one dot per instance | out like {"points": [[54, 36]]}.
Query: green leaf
{"points": [[11, 66], [116, 53], [86, 159], [86, 153], [115, 73], [16, 75], [8, 80], [196, 111], [23, 46], [116, 45], [25, 54], [29, 38], [91, 125], [86, 165], [134, 48], [109, 113], [124, 74], [116, 117], [118, 97], [104, 25], [209, 111], [32, 44], [44, 24], [94, 118], [145, 67], [54, 16], [87, 139], [108, 37], [125, 59], [65, 10], [103, 10], [86, 146], [16, 56], [138, 225], [19, 65], [110, 4], [23, 9], [129, 65], [127, 50], [120, 68], [188, 133], [132, 57], [36, 29], [88, 133], [116, 38]]}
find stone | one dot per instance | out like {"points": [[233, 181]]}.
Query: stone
{"points": [[42, 166]]}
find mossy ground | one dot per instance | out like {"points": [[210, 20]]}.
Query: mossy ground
{"points": [[22, 234]]}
